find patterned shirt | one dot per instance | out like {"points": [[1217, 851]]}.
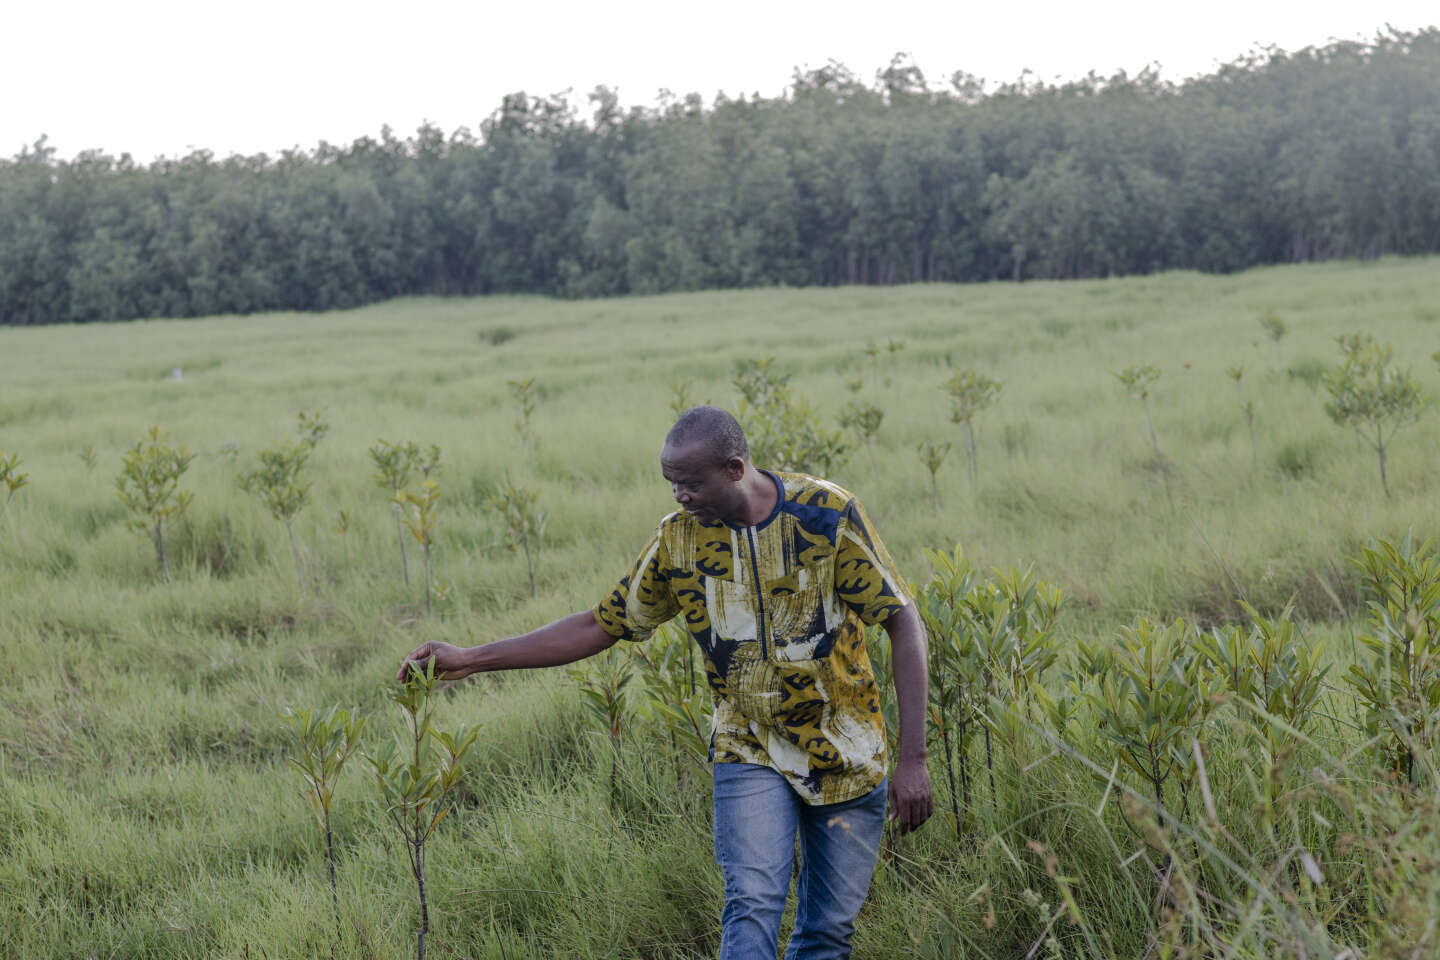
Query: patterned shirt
{"points": [[779, 611]]}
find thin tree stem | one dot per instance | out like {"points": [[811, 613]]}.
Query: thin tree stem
{"points": [[400, 535]]}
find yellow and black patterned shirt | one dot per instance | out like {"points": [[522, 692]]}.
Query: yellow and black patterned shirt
{"points": [[778, 610]]}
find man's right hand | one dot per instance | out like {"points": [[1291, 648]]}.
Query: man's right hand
{"points": [[451, 662]]}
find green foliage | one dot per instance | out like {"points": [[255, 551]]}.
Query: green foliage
{"points": [[424, 510], [1151, 700], [1399, 683], [932, 453], [841, 182], [681, 393], [1273, 326], [149, 486], [518, 509], [11, 476], [991, 640], [1137, 381], [394, 462], [1247, 410], [312, 427], [676, 699], [89, 457], [1275, 681], [863, 419], [782, 429], [325, 743], [276, 480], [970, 394], [602, 690], [526, 399], [1370, 395], [415, 774]]}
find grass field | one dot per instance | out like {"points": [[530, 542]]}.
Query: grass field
{"points": [[145, 806]]}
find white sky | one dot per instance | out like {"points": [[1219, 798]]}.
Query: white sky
{"points": [[160, 77]]}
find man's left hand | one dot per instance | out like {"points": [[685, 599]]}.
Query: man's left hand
{"points": [[912, 799]]}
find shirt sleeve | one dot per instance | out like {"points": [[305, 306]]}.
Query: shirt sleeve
{"points": [[642, 601], [865, 576]]}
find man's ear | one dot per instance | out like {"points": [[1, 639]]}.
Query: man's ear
{"points": [[734, 469]]}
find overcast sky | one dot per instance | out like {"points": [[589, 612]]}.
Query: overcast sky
{"points": [[163, 77]]}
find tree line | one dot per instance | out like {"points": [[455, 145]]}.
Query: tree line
{"points": [[1276, 157]]}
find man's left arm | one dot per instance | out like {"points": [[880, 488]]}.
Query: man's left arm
{"points": [[912, 799]]}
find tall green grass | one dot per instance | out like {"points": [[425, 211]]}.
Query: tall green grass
{"points": [[145, 808]]}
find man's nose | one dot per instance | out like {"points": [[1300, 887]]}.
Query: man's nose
{"points": [[681, 497]]}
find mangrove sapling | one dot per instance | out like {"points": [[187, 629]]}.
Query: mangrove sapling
{"points": [[525, 397], [1273, 679], [393, 466], [342, 527], [952, 668], [325, 742], [420, 520], [1247, 409], [893, 348], [674, 696], [415, 773], [933, 454], [312, 427], [276, 481], [11, 476], [1399, 683], [680, 396], [864, 419], [1150, 700], [783, 431], [1366, 392], [1275, 329], [970, 393], [1137, 382], [602, 684], [519, 511], [148, 485]]}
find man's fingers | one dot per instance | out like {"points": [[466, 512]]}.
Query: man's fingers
{"points": [[419, 654]]}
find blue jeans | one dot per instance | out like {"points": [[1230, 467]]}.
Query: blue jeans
{"points": [[757, 815]]}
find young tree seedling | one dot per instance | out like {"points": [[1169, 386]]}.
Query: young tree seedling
{"points": [[1366, 392], [276, 481], [312, 427], [89, 457], [420, 520], [325, 742], [1247, 409], [1275, 329], [415, 773], [524, 522], [680, 396], [1137, 382], [1399, 683], [525, 397], [970, 393], [933, 454], [148, 485], [393, 466], [783, 431], [11, 476], [864, 419]]}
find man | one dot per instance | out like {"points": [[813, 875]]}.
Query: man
{"points": [[776, 576]]}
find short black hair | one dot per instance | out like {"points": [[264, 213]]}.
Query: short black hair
{"points": [[716, 428]]}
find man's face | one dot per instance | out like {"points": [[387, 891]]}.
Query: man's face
{"points": [[707, 490]]}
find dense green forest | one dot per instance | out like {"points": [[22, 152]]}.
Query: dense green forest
{"points": [[1276, 157]]}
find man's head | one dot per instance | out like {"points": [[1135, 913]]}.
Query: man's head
{"points": [[706, 459]]}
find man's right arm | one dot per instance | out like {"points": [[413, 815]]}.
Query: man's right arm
{"points": [[563, 641]]}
